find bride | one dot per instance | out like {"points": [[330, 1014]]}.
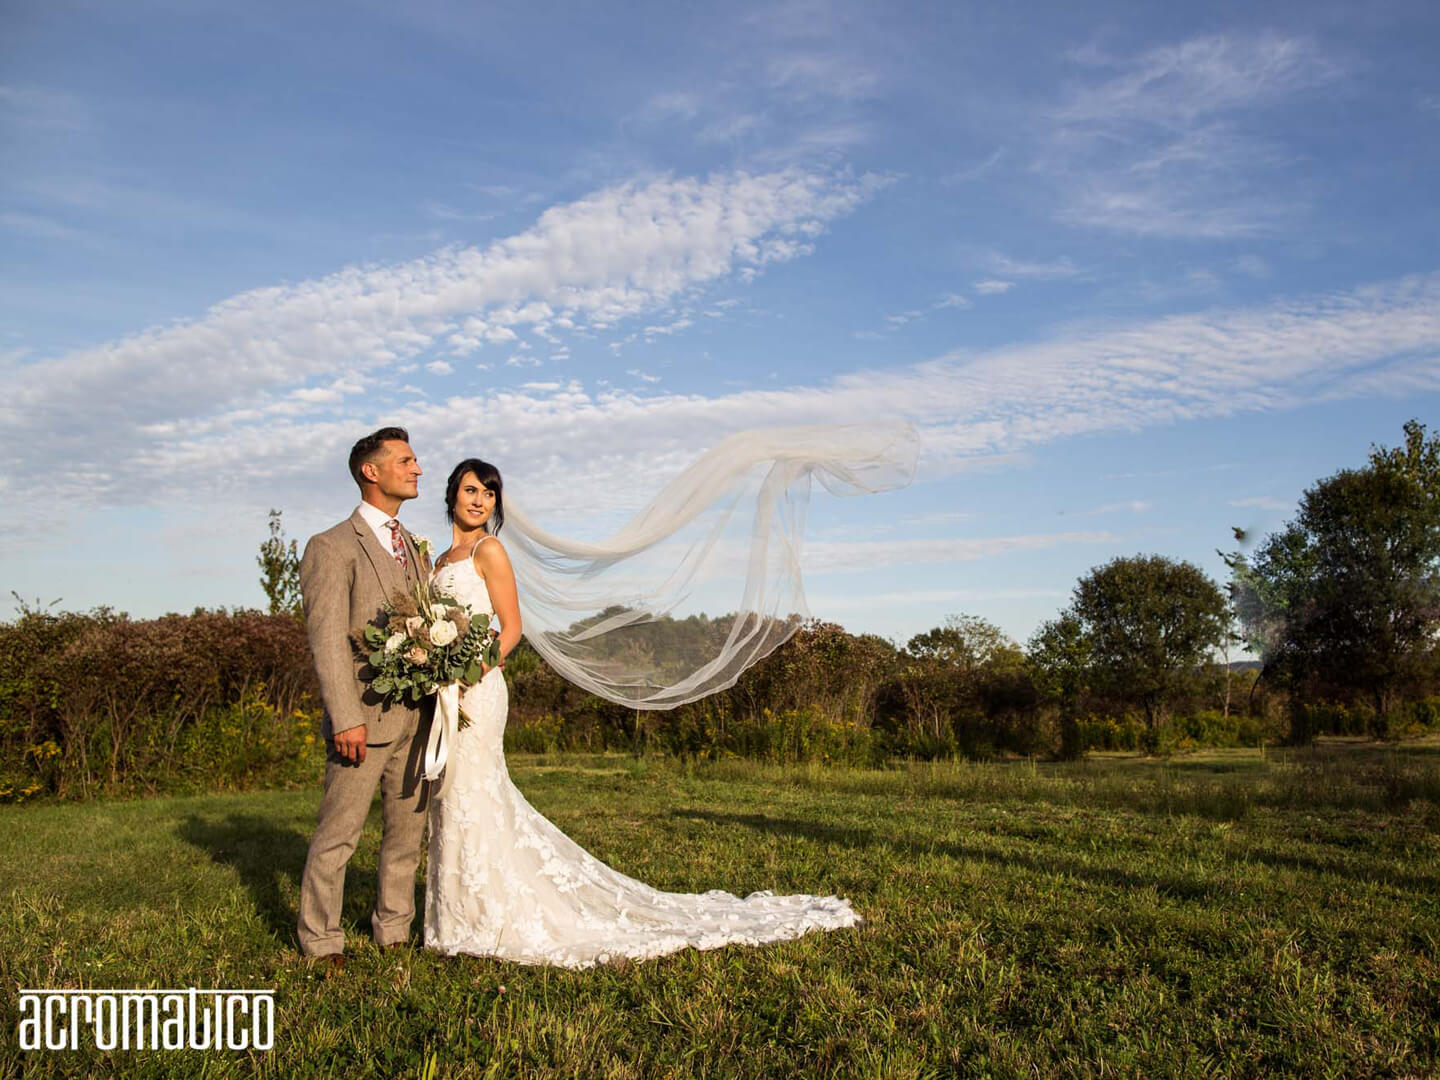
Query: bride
{"points": [[502, 880]]}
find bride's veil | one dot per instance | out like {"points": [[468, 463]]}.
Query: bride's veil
{"points": [[723, 537]]}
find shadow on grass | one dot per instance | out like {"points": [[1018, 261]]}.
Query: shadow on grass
{"points": [[262, 854], [1174, 886]]}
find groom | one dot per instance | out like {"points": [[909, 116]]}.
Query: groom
{"points": [[346, 574]]}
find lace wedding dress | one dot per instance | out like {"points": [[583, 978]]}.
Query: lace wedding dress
{"points": [[503, 881]]}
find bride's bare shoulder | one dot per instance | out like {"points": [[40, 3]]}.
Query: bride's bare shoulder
{"points": [[489, 553]]}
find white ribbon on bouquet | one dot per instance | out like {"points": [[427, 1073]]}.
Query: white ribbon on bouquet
{"points": [[444, 727]]}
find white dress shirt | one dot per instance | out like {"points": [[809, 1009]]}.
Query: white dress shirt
{"points": [[379, 521]]}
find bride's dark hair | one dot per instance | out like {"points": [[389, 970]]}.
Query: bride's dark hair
{"points": [[489, 478]]}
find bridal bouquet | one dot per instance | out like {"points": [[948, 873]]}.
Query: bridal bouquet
{"points": [[425, 640]]}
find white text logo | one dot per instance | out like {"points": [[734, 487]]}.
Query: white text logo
{"points": [[147, 1019]]}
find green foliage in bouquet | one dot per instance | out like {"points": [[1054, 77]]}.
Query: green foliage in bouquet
{"points": [[423, 640]]}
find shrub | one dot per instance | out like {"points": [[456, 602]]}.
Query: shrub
{"points": [[123, 700]]}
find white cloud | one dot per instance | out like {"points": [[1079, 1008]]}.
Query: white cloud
{"points": [[680, 104], [1135, 506], [611, 256], [926, 599], [41, 227], [1159, 146], [673, 327], [51, 110], [445, 212], [829, 557], [993, 286], [939, 517], [1252, 266], [900, 318], [1264, 502], [975, 172], [954, 300], [803, 76], [1006, 267], [153, 418], [439, 367]]}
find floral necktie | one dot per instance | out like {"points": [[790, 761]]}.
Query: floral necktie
{"points": [[397, 545]]}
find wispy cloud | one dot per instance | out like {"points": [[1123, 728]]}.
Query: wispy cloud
{"points": [[41, 227], [157, 416], [926, 599], [971, 408], [1156, 144], [36, 107], [1004, 266], [829, 557], [1264, 502], [1134, 506], [590, 264], [993, 286]]}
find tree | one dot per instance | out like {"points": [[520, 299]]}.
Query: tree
{"points": [[965, 641], [1347, 596], [1059, 654], [279, 564], [1151, 622], [967, 680]]}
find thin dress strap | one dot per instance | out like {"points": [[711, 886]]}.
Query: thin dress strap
{"points": [[476, 546]]}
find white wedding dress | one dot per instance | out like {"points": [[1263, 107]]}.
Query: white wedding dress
{"points": [[503, 881]]}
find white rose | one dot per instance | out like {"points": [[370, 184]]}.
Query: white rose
{"points": [[414, 624], [443, 632], [393, 642]]}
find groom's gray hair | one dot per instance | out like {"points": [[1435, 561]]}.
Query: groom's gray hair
{"points": [[368, 449]]}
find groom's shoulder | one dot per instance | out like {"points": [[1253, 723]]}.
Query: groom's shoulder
{"points": [[337, 534]]}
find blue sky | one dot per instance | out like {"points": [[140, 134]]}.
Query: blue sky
{"points": [[1137, 272]]}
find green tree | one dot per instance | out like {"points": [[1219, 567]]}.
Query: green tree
{"points": [[965, 641], [1151, 623], [279, 564], [1059, 655], [1348, 594]]}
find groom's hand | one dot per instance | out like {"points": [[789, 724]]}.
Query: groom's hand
{"points": [[351, 744]]}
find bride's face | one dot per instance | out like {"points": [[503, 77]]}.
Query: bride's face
{"points": [[474, 502]]}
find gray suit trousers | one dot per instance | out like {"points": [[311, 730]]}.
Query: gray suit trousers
{"points": [[395, 767]]}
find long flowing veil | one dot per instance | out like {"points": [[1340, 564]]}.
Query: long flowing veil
{"points": [[726, 534]]}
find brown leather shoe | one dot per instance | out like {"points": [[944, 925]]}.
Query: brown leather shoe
{"points": [[334, 965], [395, 945]]}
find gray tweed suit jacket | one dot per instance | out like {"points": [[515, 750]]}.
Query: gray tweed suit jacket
{"points": [[345, 578]]}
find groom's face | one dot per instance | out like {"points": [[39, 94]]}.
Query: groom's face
{"points": [[397, 471]]}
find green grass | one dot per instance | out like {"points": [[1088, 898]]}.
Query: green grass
{"points": [[1228, 914]]}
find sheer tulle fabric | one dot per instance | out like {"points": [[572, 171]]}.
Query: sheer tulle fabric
{"points": [[503, 881], [728, 530]]}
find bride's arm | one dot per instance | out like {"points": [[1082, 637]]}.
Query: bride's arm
{"points": [[494, 566]]}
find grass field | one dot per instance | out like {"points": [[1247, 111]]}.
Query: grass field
{"points": [[1232, 914]]}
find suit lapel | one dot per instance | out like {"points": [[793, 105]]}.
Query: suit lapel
{"points": [[392, 578], [415, 568]]}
